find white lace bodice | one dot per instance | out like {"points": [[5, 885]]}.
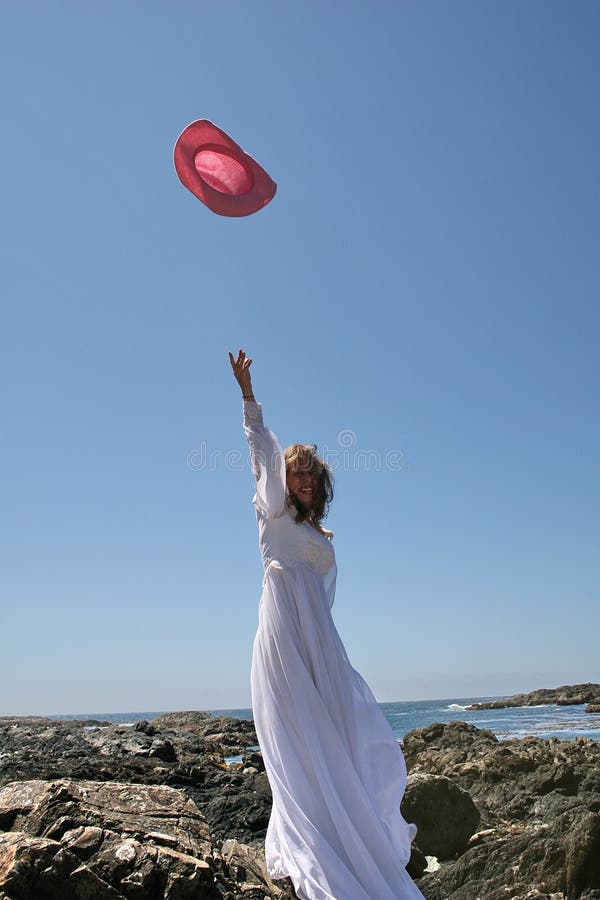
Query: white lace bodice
{"points": [[283, 541]]}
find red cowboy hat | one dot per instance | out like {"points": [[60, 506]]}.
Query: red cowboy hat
{"points": [[219, 173]]}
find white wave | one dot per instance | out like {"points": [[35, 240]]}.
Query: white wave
{"points": [[456, 706]]}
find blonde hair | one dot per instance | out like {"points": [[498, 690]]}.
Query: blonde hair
{"points": [[305, 455]]}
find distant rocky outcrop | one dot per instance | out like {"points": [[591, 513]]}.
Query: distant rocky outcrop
{"points": [[94, 811], [567, 695]]}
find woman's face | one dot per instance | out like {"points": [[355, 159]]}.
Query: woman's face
{"points": [[301, 483]]}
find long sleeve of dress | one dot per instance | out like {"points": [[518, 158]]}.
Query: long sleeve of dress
{"points": [[268, 463]]}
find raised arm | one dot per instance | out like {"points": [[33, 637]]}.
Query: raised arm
{"points": [[265, 452]]}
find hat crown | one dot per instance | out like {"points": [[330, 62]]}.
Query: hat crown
{"points": [[223, 170]]}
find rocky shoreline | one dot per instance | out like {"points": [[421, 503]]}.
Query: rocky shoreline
{"points": [[567, 695], [95, 811]]}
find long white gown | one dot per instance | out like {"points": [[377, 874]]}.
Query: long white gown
{"points": [[336, 770]]}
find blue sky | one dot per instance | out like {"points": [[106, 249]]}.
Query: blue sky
{"points": [[422, 291]]}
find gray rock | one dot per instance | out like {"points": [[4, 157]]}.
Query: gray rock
{"points": [[444, 814], [253, 758], [146, 727], [417, 862], [582, 853], [162, 749]]}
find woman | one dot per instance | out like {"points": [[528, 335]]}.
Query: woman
{"points": [[335, 768]]}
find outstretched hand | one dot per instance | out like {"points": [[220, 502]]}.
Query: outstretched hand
{"points": [[241, 371]]}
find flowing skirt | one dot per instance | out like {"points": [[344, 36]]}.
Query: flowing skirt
{"points": [[336, 770]]}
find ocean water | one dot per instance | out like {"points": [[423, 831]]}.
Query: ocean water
{"points": [[565, 722]]}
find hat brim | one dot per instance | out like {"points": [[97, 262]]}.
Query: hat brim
{"points": [[219, 173]]}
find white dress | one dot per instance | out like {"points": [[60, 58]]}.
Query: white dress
{"points": [[336, 770]]}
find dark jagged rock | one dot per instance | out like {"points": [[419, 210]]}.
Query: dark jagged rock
{"points": [[540, 806], [560, 859], [164, 750], [505, 778], [46, 748], [567, 695], [146, 727], [416, 864], [254, 759], [235, 805]]}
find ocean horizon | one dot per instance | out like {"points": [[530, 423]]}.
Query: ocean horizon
{"points": [[548, 720]]}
